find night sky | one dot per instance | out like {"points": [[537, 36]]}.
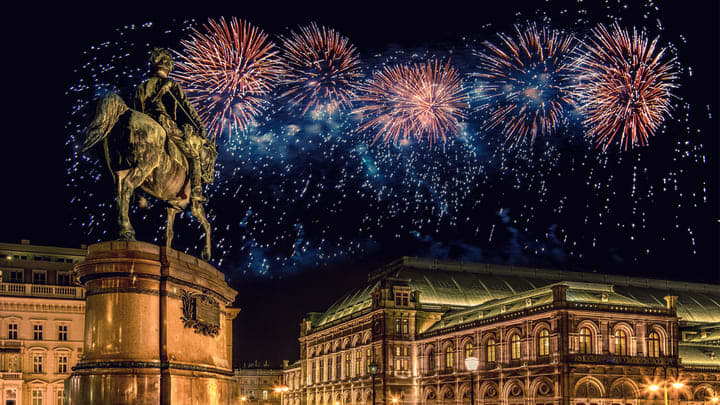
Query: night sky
{"points": [[303, 207]]}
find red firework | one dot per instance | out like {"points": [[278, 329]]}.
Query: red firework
{"points": [[322, 68], [422, 100], [524, 85], [624, 86], [227, 72]]}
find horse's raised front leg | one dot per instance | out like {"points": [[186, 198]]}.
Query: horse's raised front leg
{"points": [[171, 213], [198, 212]]}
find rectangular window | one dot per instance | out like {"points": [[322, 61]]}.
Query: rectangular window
{"points": [[37, 364], [63, 278], [397, 326], [402, 299], [330, 368], [62, 332], [338, 365], [265, 395], [312, 375], [406, 327], [348, 365], [321, 376], [12, 331], [39, 277], [37, 397], [61, 397], [37, 332], [358, 361], [14, 276], [62, 364]]}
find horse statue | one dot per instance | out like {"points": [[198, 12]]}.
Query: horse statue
{"points": [[139, 154]]}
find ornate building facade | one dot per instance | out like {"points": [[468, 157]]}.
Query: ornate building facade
{"points": [[41, 322], [541, 336], [256, 384]]}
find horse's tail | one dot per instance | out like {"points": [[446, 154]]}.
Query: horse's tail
{"points": [[107, 113]]}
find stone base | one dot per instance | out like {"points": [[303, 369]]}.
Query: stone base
{"points": [[158, 328]]}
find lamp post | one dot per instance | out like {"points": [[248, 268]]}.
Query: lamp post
{"points": [[373, 369], [471, 363]]}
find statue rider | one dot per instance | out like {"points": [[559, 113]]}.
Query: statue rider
{"points": [[164, 100]]}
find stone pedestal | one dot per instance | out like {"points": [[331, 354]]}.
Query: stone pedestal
{"points": [[158, 328]]}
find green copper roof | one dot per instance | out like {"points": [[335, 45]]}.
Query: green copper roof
{"points": [[576, 292], [461, 285], [699, 355]]}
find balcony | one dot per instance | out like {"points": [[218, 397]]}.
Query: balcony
{"points": [[623, 360], [10, 375], [41, 290], [10, 344]]}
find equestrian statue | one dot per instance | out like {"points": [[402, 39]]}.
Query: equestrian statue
{"points": [[160, 146]]}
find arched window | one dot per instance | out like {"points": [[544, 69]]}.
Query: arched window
{"points": [[653, 344], [585, 341], [491, 351], [620, 343], [515, 347], [469, 349], [449, 358], [544, 343], [431, 359]]}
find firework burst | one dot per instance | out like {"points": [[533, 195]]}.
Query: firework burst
{"points": [[524, 85], [624, 86], [322, 69], [420, 100], [227, 72]]}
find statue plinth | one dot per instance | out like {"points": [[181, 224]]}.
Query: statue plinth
{"points": [[158, 328]]}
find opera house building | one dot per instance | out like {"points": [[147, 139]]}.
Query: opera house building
{"points": [[530, 336]]}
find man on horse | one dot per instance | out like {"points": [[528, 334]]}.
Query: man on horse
{"points": [[164, 100]]}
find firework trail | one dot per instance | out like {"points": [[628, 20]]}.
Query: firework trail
{"points": [[524, 85], [420, 100], [227, 71], [322, 68], [624, 86]]}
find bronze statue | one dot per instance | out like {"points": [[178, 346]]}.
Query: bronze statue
{"points": [[161, 147]]}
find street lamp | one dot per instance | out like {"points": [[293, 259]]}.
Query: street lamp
{"points": [[373, 369], [472, 363], [281, 390], [394, 401]]}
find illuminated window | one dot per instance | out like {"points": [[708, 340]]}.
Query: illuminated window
{"points": [[406, 327], [338, 365], [585, 341], [369, 358], [62, 364], [348, 365], [62, 332], [37, 397], [449, 357], [515, 347], [37, 363], [620, 343], [312, 375], [12, 331], [61, 397], [544, 343], [469, 349], [321, 368], [358, 362], [654, 344], [37, 332], [265, 394], [491, 351]]}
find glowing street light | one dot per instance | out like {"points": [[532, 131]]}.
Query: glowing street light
{"points": [[373, 369], [677, 385], [281, 390], [653, 387], [472, 363], [394, 400]]}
